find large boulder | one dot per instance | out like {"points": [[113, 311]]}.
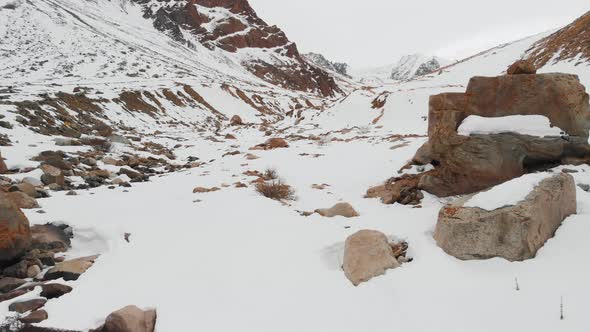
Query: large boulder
{"points": [[514, 232], [367, 254], [129, 319], [22, 200], [471, 162], [15, 234]]}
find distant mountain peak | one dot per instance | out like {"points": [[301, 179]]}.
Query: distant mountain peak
{"points": [[414, 65], [321, 61]]}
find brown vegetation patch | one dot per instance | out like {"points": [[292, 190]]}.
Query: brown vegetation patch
{"points": [[173, 98], [133, 101], [275, 190], [567, 43]]}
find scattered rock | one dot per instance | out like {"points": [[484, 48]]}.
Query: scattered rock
{"points": [[29, 305], [341, 209], [71, 193], [513, 232], [129, 319], [52, 175], [33, 271], [202, 190], [52, 291], [250, 156], [15, 235], [18, 270], [36, 316], [271, 144], [70, 270], [236, 120], [33, 182], [8, 284], [50, 237], [367, 254]]}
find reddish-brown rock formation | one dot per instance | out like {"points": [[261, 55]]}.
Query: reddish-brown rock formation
{"points": [[568, 43], [15, 235], [466, 164], [240, 29]]}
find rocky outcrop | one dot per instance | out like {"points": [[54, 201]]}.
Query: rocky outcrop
{"points": [[232, 25], [514, 232], [567, 44], [367, 254], [15, 234], [129, 319], [466, 164]]}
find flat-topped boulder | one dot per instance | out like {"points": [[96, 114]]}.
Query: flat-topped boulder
{"points": [[512, 220]]}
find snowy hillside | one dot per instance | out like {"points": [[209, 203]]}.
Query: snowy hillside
{"points": [[192, 148]]}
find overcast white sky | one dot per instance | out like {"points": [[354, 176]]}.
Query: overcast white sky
{"points": [[368, 33]]}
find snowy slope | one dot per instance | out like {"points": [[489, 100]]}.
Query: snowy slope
{"points": [[405, 104], [232, 259]]}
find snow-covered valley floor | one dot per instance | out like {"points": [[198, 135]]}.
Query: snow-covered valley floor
{"points": [[233, 260]]}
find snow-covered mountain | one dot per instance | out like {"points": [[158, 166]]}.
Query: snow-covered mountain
{"points": [[415, 65], [321, 61], [162, 119]]}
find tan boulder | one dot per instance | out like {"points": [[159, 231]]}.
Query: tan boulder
{"points": [[15, 234], [367, 254], [276, 143], [521, 67], [513, 232], [341, 209], [70, 270], [26, 188], [49, 237], [129, 319], [22, 200]]}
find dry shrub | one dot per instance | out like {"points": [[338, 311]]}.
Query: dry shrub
{"points": [[275, 190], [270, 174]]}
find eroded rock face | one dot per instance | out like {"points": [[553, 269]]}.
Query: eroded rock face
{"points": [[15, 234], [129, 319], [515, 232], [367, 254], [239, 27], [466, 164]]}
